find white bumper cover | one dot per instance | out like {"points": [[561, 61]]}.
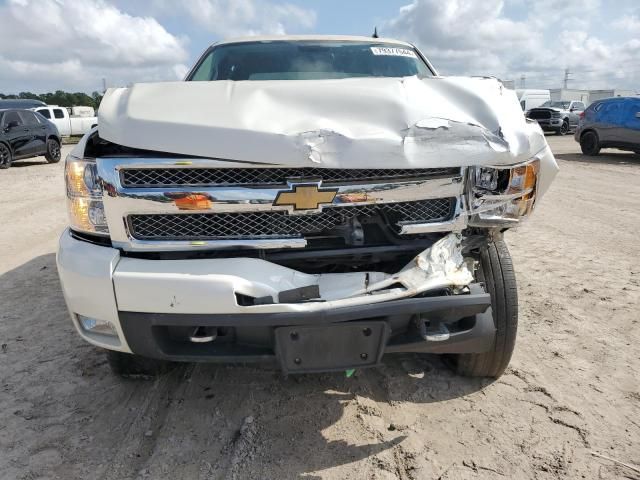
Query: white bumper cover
{"points": [[97, 283]]}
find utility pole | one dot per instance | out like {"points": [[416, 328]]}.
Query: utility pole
{"points": [[566, 77], [523, 81], [104, 85]]}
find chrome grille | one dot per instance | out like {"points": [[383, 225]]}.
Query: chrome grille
{"points": [[208, 226], [178, 177]]}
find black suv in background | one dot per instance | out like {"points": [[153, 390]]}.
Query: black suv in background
{"points": [[25, 134]]}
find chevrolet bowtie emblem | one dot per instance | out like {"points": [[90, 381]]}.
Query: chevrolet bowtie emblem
{"points": [[305, 197]]}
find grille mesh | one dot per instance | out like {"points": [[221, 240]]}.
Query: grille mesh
{"points": [[206, 226], [539, 114], [174, 177]]}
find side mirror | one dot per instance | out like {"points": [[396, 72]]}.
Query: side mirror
{"points": [[572, 109]]}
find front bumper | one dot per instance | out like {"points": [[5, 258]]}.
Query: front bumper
{"points": [[155, 305], [550, 124]]}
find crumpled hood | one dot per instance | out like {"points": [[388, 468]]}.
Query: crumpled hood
{"points": [[346, 123]]}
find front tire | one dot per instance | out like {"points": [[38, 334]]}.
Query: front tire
{"points": [[589, 144], [564, 129], [496, 271], [5, 156], [53, 151], [129, 365]]}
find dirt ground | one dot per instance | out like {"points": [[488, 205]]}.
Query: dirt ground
{"points": [[573, 387]]}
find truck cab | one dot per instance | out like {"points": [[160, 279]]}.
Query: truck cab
{"points": [[68, 125]]}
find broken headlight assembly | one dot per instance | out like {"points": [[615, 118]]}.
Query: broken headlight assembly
{"points": [[502, 196], [84, 196]]}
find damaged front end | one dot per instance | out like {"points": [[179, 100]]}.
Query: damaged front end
{"points": [[433, 304], [298, 225]]}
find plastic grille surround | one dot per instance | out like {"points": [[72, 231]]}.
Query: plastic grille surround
{"points": [[278, 224], [178, 177]]}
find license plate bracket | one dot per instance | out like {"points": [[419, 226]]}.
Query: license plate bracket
{"points": [[333, 347]]}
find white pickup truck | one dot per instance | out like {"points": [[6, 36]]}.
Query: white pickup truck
{"points": [[69, 125], [316, 202]]}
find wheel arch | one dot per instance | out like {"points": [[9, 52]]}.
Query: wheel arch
{"points": [[587, 130], [8, 145]]}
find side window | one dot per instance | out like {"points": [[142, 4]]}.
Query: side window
{"points": [[57, 112], [29, 118], [45, 113], [610, 112], [578, 106], [612, 107], [11, 117]]}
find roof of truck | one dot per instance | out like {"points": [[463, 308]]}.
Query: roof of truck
{"points": [[294, 38]]}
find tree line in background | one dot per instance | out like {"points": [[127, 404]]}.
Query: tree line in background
{"points": [[64, 99]]}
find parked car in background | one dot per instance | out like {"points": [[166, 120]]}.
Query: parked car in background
{"points": [[25, 134], [530, 98], [68, 125], [7, 103], [557, 116], [610, 123]]}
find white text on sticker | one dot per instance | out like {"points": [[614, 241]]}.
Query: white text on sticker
{"points": [[394, 51]]}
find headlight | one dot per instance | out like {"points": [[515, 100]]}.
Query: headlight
{"points": [[556, 114], [503, 195], [84, 196]]}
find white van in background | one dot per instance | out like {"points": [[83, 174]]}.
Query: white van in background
{"points": [[77, 124], [530, 98]]}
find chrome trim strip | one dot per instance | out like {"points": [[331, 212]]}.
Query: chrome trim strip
{"points": [[243, 199], [454, 225], [134, 245]]}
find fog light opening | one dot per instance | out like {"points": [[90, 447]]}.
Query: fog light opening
{"points": [[100, 327]]}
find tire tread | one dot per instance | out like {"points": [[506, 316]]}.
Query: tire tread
{"points": [[500, 281]]}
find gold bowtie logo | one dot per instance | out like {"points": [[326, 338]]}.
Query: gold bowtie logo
{"points": [[305, 197]]}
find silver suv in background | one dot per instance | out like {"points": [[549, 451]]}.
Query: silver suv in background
{"points": [[560, 116]]}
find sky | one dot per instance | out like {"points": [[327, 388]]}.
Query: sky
{"points": [[72, 45]]}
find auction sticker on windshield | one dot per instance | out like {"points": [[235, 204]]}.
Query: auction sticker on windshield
{"points": [[394, 51]]}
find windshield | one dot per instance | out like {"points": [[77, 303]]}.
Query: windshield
{"points": [[549, 103], [308, 60]]}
